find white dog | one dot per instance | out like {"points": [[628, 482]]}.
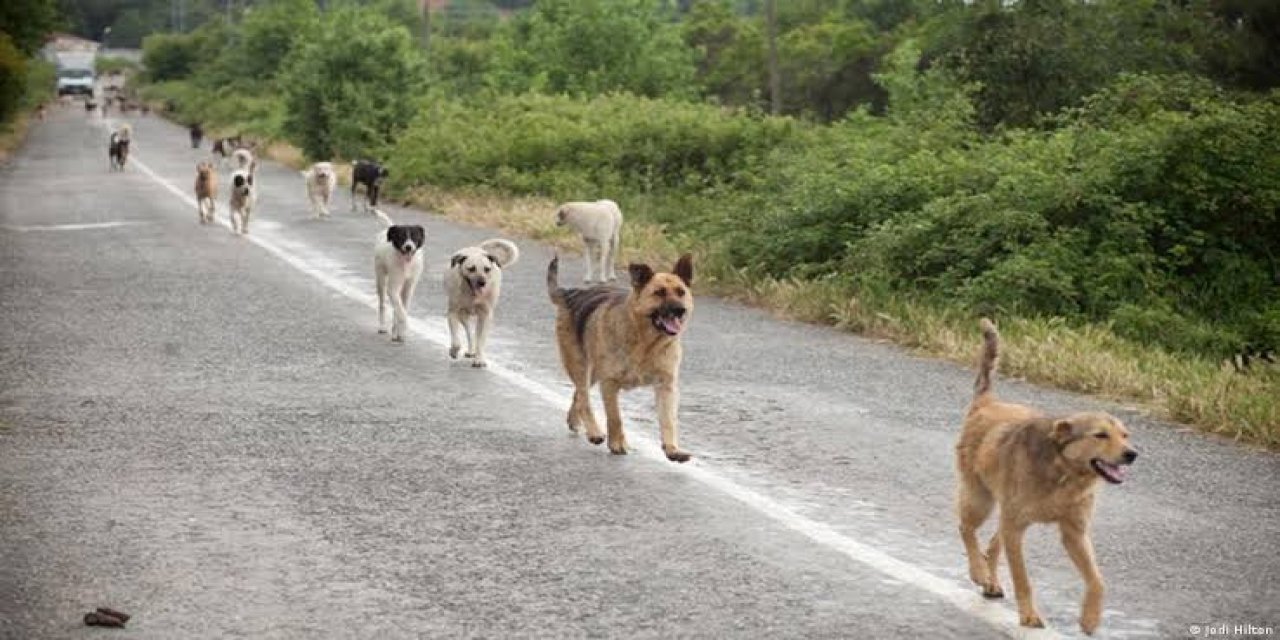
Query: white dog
{"points": [[472, 285], [397, 265], [243, 158], [321, 181], [243, 196], [600, 224]]}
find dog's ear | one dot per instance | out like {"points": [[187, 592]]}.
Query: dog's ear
{"points": [[641, 274], [684, 268], [456, 260], [1064, 431], [494, 259], [418, 234]]}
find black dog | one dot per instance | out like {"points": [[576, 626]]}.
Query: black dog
{"points": [[197, 134], [370, 174], [118, 151]]}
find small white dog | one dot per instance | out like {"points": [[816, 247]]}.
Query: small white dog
{"points": [[321, 181], [397, 265], [600, 225], [243, 158], [243, 196], [472, 285]]}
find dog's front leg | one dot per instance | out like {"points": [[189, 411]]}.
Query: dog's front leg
{"points": [[380, 277], [610, 390], [592, 249], [455, 328], [400, 297], [1011, 533], [482, 334], [1075, 537], [668, 400]]}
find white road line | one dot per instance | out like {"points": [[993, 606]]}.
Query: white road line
{"points": [[965, 599], [68, 227]]}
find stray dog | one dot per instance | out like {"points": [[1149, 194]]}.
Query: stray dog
{"points": [[321, 181], [224, 147], [243, 158], [371, 175], [118, 147], [243, 196], [1037, 469], [600, 225], [206, 191], [197, 134], [624, 339], [472, 285], [397, 265]]}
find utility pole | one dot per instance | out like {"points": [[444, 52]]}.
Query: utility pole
{"points": [[775, 77]]}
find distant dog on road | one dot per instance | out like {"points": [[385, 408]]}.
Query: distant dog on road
{"points": [[472, 285], [321, 181], [197, 134], [1036, 469], [397, 266], [118, 147], [243, 158], [206, 191], [224, 147], [600, 225], [624, 339], [243, 197], [371, 175]]}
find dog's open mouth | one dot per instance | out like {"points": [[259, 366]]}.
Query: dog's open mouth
{"points": [[668, 320], [1112, 473]]}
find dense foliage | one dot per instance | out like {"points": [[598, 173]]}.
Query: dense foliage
{"points": [[1113, 162]]}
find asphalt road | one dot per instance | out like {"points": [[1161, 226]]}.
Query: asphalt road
{"points": [[206, 431]]}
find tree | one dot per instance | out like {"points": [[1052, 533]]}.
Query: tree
{"points": [[352, 86], [589, 47], [27, 22]]}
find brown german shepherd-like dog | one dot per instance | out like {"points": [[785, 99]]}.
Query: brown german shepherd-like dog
{"points": [[624, 339], [1037, 469]]}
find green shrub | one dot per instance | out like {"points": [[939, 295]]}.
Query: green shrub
{"points": [[13, 78], [349, 90], [169, 56]]}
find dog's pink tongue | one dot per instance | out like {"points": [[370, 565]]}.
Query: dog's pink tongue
{"points": [[1115, 471], [672, 325]]}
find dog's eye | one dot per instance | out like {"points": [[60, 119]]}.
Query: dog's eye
{"points": [[661, 292], [1102, 435], [471, 269], [679, 292], [486, 269]]}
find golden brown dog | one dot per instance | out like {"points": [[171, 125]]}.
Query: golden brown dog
{"points": [[624, 339], [1037, 469], [206, 191]]}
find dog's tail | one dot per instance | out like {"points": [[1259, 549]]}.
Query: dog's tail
{"points": [[504, 252], [987, 361], [553, 281], [383, 218]]}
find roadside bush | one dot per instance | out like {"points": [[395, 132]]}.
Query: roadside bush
{"points": [[13, 78], [584, 148], [169, 56], [349, 90]]}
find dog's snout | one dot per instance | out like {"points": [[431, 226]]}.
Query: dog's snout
{"points": [[674, 310], [1130, 455], [480, 281]]}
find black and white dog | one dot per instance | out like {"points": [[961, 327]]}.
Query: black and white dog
{"points": [[243, 197], [397, 266], [118, 147], [371, 175]]}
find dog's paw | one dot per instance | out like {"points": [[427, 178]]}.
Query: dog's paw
{"points": [[618, 448], [468, 354], [1031, 620], [594, 439], [992, 591], [380, 330], [479, 363], [453, 352], [676, 455], [1089, 620], [397, 338]]}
